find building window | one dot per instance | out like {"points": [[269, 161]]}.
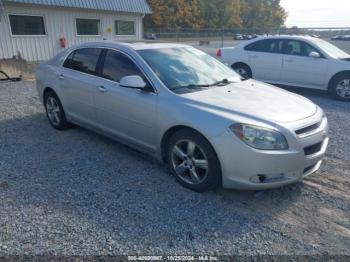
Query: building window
{"points": [[88, 26], [27, 25], [124, 27]]}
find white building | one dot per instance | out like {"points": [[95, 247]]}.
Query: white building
{"points": [[37, 29]]}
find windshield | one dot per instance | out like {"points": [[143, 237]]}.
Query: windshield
{"points": [[331, 50], [187, 67]]}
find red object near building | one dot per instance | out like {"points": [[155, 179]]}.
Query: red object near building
{"points": [[63, 42]]}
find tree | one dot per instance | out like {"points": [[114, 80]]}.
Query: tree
{"points": [[262, 15], [160, 14], [174, 14], [210, 13], [187, 14], [233, 13]]}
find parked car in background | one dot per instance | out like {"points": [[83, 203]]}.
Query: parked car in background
{"points": [[341, 38], [346, 38], [245, 37], [299, 61], [151, 37], [238, 37], [248, 37], [189, 110], [316, 36], [337, 37]]}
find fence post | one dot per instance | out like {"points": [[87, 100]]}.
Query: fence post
{"points": [[222, 37]]}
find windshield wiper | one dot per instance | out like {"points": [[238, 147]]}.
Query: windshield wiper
{"points": [[225, 82], [191, 86]]}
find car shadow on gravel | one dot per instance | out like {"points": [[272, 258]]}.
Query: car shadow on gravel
{"points": [[112, 196]]}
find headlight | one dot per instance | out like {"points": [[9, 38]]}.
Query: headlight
{"points": [[259, 137]]}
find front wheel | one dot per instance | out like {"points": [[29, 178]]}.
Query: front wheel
{"points": [[340, 87], [243, 70], [193, 161]]}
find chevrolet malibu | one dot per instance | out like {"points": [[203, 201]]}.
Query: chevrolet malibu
{"points": [[188, 110]]}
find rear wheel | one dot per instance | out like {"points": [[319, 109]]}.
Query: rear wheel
{"points": [[193, 161], [243, 70], [55, 112], [340, 87]]}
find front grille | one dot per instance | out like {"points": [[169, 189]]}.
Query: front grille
{"points": [[310, 150], [308, 129]]}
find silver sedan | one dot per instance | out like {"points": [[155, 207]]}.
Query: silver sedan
{"points": [[187, 109]]}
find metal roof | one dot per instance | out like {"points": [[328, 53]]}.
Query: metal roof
{"points": [[130, 6]]}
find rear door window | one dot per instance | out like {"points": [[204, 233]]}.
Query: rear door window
{"points": [[266, 46], [84, 60]]}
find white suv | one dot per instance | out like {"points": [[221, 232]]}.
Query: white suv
{"points": [[294, 61]]}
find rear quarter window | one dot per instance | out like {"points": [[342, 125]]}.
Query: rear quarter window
{"points": [[83, 60]]}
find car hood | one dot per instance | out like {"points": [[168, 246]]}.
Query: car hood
{"points": [[253, 99]]}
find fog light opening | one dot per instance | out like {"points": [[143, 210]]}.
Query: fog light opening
{"points": [[272, 178], [262, 178]]}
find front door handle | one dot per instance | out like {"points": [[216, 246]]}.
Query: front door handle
{"points": [[61, 76], [102, 89]]}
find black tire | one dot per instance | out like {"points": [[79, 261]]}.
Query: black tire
{"points": [[334, 84], [243, 70], [212, 175], [63, 124]]}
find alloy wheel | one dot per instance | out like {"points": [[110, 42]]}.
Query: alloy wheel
{"points": [[189, 162], [343, 88], [242, 72], [53, 111]]}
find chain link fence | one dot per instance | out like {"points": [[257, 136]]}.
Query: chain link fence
{"points": [[224, 35]]}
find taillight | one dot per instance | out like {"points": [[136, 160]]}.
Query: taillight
{"points": [[218, 52]]}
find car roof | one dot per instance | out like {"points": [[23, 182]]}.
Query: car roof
{"points": [[292, 37], [306, 38], [135, 46]]}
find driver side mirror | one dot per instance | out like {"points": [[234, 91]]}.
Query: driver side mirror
{"points": [[133, 81], [315, 55]]}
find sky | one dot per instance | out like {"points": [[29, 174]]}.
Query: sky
{"points": [[317, 13]]}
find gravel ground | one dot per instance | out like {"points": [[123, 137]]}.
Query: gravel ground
{"points": [[78, 193]]}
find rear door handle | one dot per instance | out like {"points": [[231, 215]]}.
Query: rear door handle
{"points": [[61, 76], [102, 89]]}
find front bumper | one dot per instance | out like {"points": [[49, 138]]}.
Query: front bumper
{"points": [[246, 168]]}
